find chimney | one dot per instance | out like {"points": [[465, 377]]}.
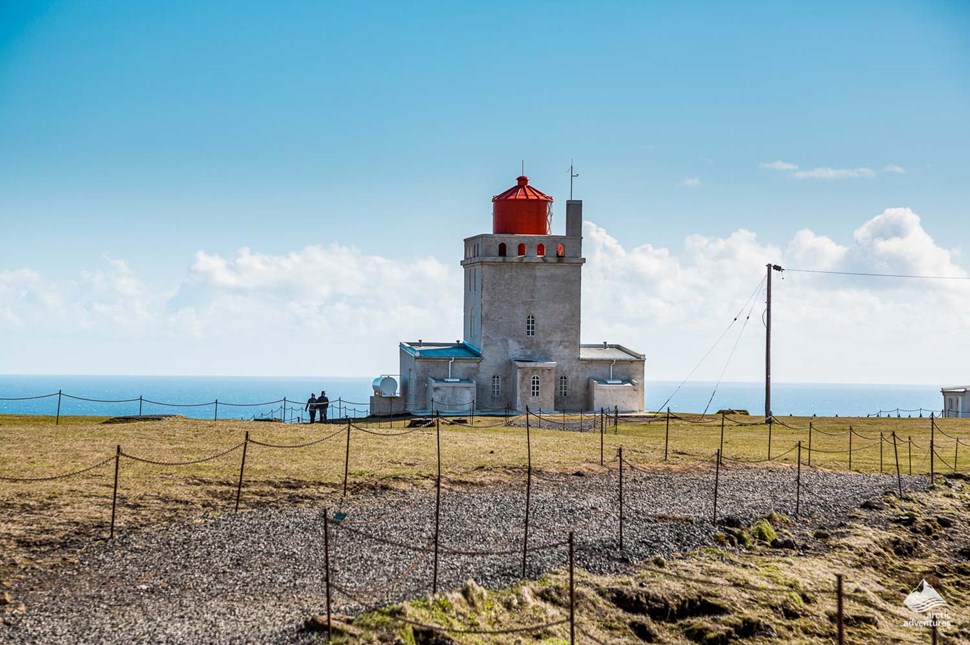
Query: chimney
{"points": [[574, 218]]}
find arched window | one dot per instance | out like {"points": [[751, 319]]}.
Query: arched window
{"points": [[560, 250], [530, 325], [535, 387], [496, 385], [563, 386], [522, 249], [501, 250], [541, 250]]}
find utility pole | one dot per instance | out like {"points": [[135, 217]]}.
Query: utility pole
{"points": [[768, 419]]}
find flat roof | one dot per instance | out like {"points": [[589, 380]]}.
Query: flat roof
{"points": [[956, 389], [422, 349], [608, 353]]}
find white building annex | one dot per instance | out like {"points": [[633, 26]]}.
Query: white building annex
{"points": [[956, 401], [522, 321]]}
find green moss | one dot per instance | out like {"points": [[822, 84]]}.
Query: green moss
{"points": [[778, 519], [763, 531], [710, 551]]}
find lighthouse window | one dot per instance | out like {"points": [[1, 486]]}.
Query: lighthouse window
{"points": [[560, 251], [530, 325], [496, 385], [541, 250], [522, 249], [535, 387], [501, 250], [563, 386]]}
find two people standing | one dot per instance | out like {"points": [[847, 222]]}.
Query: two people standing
{"points": [[317, 404]]}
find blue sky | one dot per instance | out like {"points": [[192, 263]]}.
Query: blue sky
{"points": [[139, 135]]}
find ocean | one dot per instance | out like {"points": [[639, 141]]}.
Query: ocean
{"points": [[248, 397]]}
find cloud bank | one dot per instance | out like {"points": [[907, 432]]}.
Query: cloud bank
{"points": [[826, 172], [336, 310]]}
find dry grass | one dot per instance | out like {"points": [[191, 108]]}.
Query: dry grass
{"points": [[758, 595], [44, 521], [41, 516]]}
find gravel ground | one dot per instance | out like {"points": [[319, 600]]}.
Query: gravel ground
{"points": [[254, 577]]}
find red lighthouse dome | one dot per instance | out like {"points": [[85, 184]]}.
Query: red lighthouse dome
{"points": [[522, 210]]}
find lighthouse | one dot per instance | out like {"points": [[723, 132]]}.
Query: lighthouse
{"points": [[522, 317]]}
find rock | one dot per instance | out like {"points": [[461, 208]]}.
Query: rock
{"points": [[316, 623], [6, 598], [873, 504], [784, 543], [944, 521], [822, 534]]}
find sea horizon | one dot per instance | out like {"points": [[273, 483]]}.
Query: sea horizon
{"points": [[255, 396]]}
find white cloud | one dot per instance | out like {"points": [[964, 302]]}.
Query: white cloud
{"points": [[825, 172], [691, 182], [834, 173], [336, 310], [779, 165]]}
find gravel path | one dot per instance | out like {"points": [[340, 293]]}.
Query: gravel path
{"points": [[254, 577]]}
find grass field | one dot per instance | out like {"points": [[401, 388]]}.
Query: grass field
{"points": [[41, 515], [40, 518]]}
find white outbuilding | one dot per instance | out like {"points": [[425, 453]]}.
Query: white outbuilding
{"points": [[956, 401]]}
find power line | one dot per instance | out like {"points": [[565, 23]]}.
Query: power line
{"points": [[884, 275], [753, 296]]}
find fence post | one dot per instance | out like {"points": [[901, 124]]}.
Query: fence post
{"points": [[572, 592], [850, 447], [602, 433], [326, 567], [798, 483], [956, 454], [720, 451], [140, 399], [242, 468], [283, 416], [621, 498], [881, 440], [667, 435], [932, 449], [909, 441], [839, 609], [717, 478], [437, 505], [616, 419], [809, 444], [528, 496], [114, 495], [347, 459], [899, 477], [58, 421], [215, 415]]}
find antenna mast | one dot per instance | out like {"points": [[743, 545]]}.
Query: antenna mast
{"points": [[572, 175]]}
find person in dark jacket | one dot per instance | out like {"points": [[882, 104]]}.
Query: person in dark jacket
{"points": [[311, 406], [323, 404]]}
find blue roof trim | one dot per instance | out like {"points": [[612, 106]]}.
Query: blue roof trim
{"points": [[441, 350]]}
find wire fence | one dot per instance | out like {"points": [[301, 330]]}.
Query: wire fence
{"points": [[796, 455], [286, 409]]}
